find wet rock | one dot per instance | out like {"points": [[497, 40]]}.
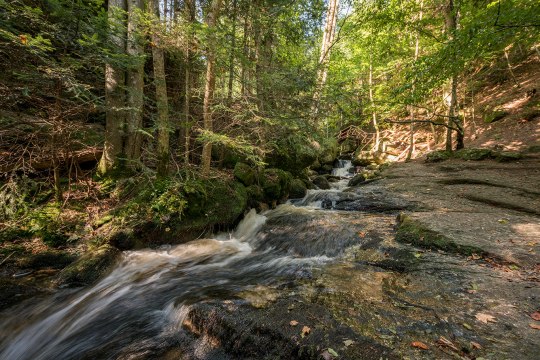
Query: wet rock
{"points": [[90, 267], [244, 332], [373, 200], [321, 182], [244, 173], [357, 180], [326, 169], [298, 189]]}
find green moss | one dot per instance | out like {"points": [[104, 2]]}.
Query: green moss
{"points": [[298, 189], [507, 156], [276, 184], [475, 154], [244, 173], [438, 156], [90, 267], [495, 115], [411, 231], [255, 195], [293, 153]]}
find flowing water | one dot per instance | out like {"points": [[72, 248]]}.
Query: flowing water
{"points": [[143, 301]]}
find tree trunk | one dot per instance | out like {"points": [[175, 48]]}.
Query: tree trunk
{"points": [[210, 83], [189, 14], [231, 58], [245, 63], [135, 83], [412, 109], [374, 114], [450, 14], [114, 91], [162, 102], [322, 72]]}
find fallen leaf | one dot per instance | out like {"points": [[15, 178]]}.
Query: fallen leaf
{"points": [[332, 352], [445, 342], [467, 326], [476, 345], [348, 342], [326, 355], [476, 257], [534, 326], [305, 331], [485, 318], [419, 345], [24, 39], [536, 315], [362, 234], [293, 323], [418, 255]]}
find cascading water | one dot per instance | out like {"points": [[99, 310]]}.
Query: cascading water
{"points": [[142, 302]]}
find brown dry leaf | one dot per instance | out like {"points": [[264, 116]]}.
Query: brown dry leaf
{"points": [[534, 326], [476, 345], [485, 318], [419, 345], [362, 234], [293, 323], [536, 315], [305, 331]]}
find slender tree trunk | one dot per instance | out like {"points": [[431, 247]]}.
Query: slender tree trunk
{"points": [[245, 47], [189, 13], [322, 72], [451, 16], [210, 84], [412, 109], [114, 90], [231, 58], [373, 113], [135, 82], [162, 102]]}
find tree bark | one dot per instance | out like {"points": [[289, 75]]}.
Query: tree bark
{"points": [[189, 14], [162, 101], [412, 109], [135, 83], [322, 72], [376, 145], [231, 56], [114, 90], [210, 83], [451, 26]]}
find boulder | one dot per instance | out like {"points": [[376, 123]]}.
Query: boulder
{"points": [[356, 180], [276, 184], [321, 182], [507, 156], [244, 173], [438, 156], [298, 189], [475, 154], [90, 267]]}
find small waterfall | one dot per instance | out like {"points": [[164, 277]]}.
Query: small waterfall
{"points": [[343, 169]]}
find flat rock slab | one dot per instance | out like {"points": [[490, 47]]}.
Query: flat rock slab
{"points": [[508, 237]]}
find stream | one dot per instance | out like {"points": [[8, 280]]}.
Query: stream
{"points": [[142, 303]]}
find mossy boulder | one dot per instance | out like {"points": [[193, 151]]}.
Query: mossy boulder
{"points": [[508, 156], [244, 173], [474, 154], [495, 115], [328, 151], [438, 156], [90, 267], [255, 195], [298, 189], [321, 182], [276, 184]]}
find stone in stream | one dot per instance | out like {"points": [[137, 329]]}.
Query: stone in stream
{"points": [[321, 182]]}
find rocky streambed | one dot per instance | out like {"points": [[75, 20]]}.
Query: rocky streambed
{"points": [[432, 261]]}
